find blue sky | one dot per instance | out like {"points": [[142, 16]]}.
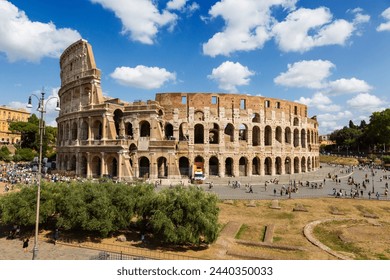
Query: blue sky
{"points": [[331, 55]]}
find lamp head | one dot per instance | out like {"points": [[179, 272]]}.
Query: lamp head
{"points": [[29, 105], [58, 106]]}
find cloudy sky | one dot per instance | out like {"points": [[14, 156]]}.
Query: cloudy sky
{"points": [[331, 55]]}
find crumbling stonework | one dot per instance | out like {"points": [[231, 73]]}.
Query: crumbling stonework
{"points": [[171, 136]]}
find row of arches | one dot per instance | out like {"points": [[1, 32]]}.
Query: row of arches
{"points": [[212, 135], [97, 166]]}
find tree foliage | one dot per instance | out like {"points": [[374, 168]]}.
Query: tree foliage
{"points": [[176, 216], [365, 136], [30, 138]]}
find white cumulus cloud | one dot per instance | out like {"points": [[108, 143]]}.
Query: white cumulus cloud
{"points": [[143, 77], [385, 26], [23, 39], [314, 74], [352, 85], [247, 25], [305, 29], [320, 101], [366, 102], [306, 73], [142, 19], [229, 75]]}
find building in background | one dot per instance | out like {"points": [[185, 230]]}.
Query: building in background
{"points": [[177, 135], [8, 115]]}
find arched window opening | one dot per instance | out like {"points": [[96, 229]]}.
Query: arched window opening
{"points": [[144, 129], [199, 134], [169, 131], [268, 136], [256, 136], [213, 166], [229, 133]]}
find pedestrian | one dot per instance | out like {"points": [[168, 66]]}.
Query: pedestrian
{"points": [[274, 192], [250, 189], [25, 244], [56, 235]]}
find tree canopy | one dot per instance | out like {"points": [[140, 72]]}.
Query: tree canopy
{"points": [[176, 216]]}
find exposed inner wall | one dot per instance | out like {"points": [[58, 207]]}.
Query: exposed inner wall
{"points": [[176, 134]]}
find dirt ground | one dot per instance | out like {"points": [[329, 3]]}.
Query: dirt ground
{"points": [[245, 225]]}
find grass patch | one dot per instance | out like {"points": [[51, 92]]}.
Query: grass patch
{"points": [[277, 239], [243, 228], [282, 215], [329, 234]]}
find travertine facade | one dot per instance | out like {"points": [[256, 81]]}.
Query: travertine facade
{"points": [[8, 115], [225, 134]]}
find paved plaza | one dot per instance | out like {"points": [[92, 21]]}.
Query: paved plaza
{"points": [[313, 185]]}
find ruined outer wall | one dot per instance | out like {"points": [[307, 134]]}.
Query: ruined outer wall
{"points": [[227, 135]]}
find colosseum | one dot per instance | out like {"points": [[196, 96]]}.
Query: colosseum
{"points": [[177, 134]]}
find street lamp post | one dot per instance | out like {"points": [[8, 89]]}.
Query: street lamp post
{"points": [[41, 109]]}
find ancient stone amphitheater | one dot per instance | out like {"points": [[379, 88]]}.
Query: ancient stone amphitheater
{"points": [[171, 137]]}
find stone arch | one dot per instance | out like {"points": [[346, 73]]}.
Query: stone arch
{"points": [[112, 167], [97, 130], [287, 136], [184, 167], [133, 148], [213, 166], [229, 133], [303, 165], [243, 166], [168, 131], [308, 164], [199, 134], [296, 165], [84, 134], [118, 115], [243, 132], [74, 131], [73, 163], [287, 165], [229, 166], [278, 165], [67, 132], [296, 137], [183, 131], [256, 136], [303, 138], [162, 167], [83, 166], [268, 136], [199, 116], [129, 130], [256, 118], [278, 134], [256, 165], [96, 167], [214, 134], [296, 121], [144, 128], [199, 163], [268, 166], [144, 167]]}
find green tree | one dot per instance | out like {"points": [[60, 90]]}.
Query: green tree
{"points": [[185, 216], [30, 135], [378, 130], [24, 154], [5, 154]]}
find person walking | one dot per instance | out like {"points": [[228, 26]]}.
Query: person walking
{"points": [[25, 244]]}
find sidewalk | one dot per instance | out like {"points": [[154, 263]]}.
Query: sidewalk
{"points": [[12, 250]]}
